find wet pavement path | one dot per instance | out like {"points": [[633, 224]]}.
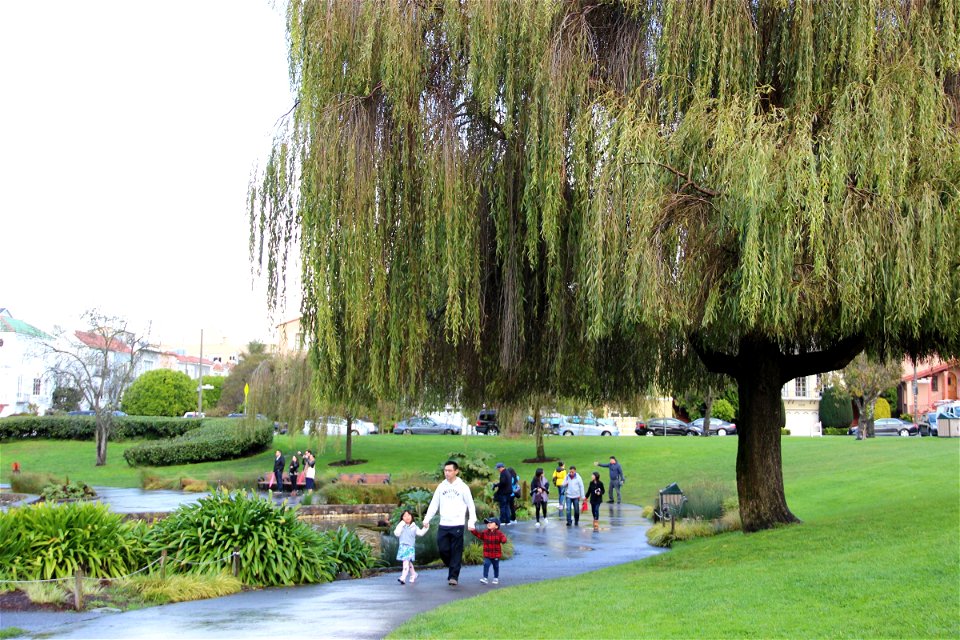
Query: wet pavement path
{"points": [[369, 607]]}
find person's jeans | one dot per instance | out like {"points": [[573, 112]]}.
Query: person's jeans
{"points": [[279, 477], [562, 491], [540, 506], [504, 502], [614, 487], [495, 563], [573, 508], [513, 508], [450, 546], [595, 507]]}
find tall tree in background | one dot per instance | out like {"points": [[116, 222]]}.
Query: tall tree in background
{"points": [[863, 380], [101, 362], [621, 190]]}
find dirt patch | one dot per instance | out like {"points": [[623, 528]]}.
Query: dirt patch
{"points": [[344, 463], [18, 601], [536, 460], [10, 498]]}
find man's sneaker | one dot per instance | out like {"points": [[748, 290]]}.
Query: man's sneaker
{"points": [[496, 581], [538, 525], [452, 582], [483, 581]]}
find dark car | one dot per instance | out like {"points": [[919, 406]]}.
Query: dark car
{"points": [[666, 427], [89, 412], [425, 425], [890, 427], [487, 423], [718, 427]]}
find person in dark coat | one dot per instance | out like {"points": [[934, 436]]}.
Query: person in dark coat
{"points": [[595, 494], [294, 472], [503, 492], [278, 467], [539, 494]]}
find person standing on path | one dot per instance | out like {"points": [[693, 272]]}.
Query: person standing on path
{"points": [[278, 467], [573, 485], [503, 492], [540, 494], [493, 541], [558, 477], [310, 466], [595, 493], [294, 472], [406, 552], [516, 493], [616, 478], [455, 503]]}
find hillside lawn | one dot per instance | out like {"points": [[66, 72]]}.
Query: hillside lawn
{"points": [[877, 555]]}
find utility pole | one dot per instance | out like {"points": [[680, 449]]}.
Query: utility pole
{"points": [[200, 379]]}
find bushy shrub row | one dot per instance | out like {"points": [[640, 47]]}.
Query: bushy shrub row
{"points": [[342, 493], [835, 431], [83, 427], [220, 439]]}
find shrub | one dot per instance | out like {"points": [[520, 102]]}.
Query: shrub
{"points": [[473, 552], [472, 467], [65, 427], [835, 409], [784, 431], [835, 431], [723, 410], [425, 547], [351, 554], [221, 439], [67, 491], [275, 548], [152, 482], [342, 493], [32, 482], [161, 392], [705, 499], [184, 587], [881, 409], [659, 534], [49, 540], [45, 592]]}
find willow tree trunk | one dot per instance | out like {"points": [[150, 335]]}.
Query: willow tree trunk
{"points": [[349, 452], [759, 465]]}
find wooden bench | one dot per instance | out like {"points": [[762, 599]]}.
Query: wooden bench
{"points": [[670, 501], [268, 482], [363, 478]]}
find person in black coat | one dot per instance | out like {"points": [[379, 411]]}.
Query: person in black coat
{"points": [[278, 467], [595, 493], [294, 472], [503, 492]]}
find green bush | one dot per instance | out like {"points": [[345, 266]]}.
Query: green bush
{"points": [[218, 439], [49, 540], [473, 552], [472, 467], [342, 493], [274, 547], [161, 392], [65, 427], [32, 482], [835, 409], [351, 554], [881, 409], [835, 431], [705, 499], [723, 410], [425, 546], [67, 491]]}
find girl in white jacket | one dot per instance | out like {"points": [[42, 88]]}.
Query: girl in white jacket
{"points": [[408, 533]]}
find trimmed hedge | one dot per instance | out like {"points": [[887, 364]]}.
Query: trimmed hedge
{"points": [[83, 427], [218, 439]]}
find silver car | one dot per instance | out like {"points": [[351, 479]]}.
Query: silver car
{"points": [[585, 426], [335, 426], [424, 425]]}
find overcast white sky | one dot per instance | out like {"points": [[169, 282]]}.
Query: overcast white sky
{"points": [[128, 132]]}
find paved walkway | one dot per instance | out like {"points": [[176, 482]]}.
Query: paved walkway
{"points": [[366, 608]]}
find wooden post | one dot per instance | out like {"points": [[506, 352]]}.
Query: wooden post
{"points": [[236, 562], [78, 590], [163, 564]]}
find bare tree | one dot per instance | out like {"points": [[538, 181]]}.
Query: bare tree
{"points": [[101, 362], [863, 380]]}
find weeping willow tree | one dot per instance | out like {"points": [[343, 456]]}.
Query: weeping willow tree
{"points": [[497, 199]]}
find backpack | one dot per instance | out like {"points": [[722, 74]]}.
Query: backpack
{"points": [[515, 485]]}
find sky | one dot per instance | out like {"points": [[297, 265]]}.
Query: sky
{"points": [[128, 135]]}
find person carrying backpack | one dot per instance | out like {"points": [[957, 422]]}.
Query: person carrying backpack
{"points": [[558, 477], [516, 493], [503, 492]]}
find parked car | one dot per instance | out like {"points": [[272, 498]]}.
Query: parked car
{"points": [[667, 427], [718, 427], [487, 423], [585, 426], [890, 427], [424, 425], [336, 426], [90, 412], [194, 414]]}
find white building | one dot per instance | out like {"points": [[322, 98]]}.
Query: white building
{"points": [[23, 384], [801, 403]]}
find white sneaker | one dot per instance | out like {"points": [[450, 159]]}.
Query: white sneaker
{"points": [[544, 519], [538, 525], [496, 581], [483, 580]]}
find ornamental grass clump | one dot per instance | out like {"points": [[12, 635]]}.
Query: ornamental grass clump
{"points": [[274, 547], [49, 540]]}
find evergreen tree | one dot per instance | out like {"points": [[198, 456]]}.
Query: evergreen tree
{"points": [[496, 199]]}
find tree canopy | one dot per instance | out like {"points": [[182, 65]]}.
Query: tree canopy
{"points": [[503, 198], [161, 392]]}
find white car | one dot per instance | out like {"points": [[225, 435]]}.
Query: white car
{"points": [[336, 426], [585, 426]]}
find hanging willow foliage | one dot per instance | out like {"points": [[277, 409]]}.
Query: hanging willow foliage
{"points": [[501, 197]]}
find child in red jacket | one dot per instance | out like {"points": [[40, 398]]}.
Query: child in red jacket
{"points": [[493, 539]]}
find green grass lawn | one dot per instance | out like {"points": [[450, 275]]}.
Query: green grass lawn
{"points": [[876, 556]]}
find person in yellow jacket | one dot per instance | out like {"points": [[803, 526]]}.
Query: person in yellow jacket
{"points": [[558, 477]]}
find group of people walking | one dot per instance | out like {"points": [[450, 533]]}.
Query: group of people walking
{"points": [[453, 500]]}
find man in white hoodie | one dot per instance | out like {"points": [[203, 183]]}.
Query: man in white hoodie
{"points": [[455, 503]]}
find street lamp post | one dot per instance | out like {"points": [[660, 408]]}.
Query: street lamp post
{"points": [[200, 379]]}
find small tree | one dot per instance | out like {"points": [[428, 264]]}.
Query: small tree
{"points": [[100, 362], [835, 409], [66, 399], [161, 392], [881, 409], [863, 380]]}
